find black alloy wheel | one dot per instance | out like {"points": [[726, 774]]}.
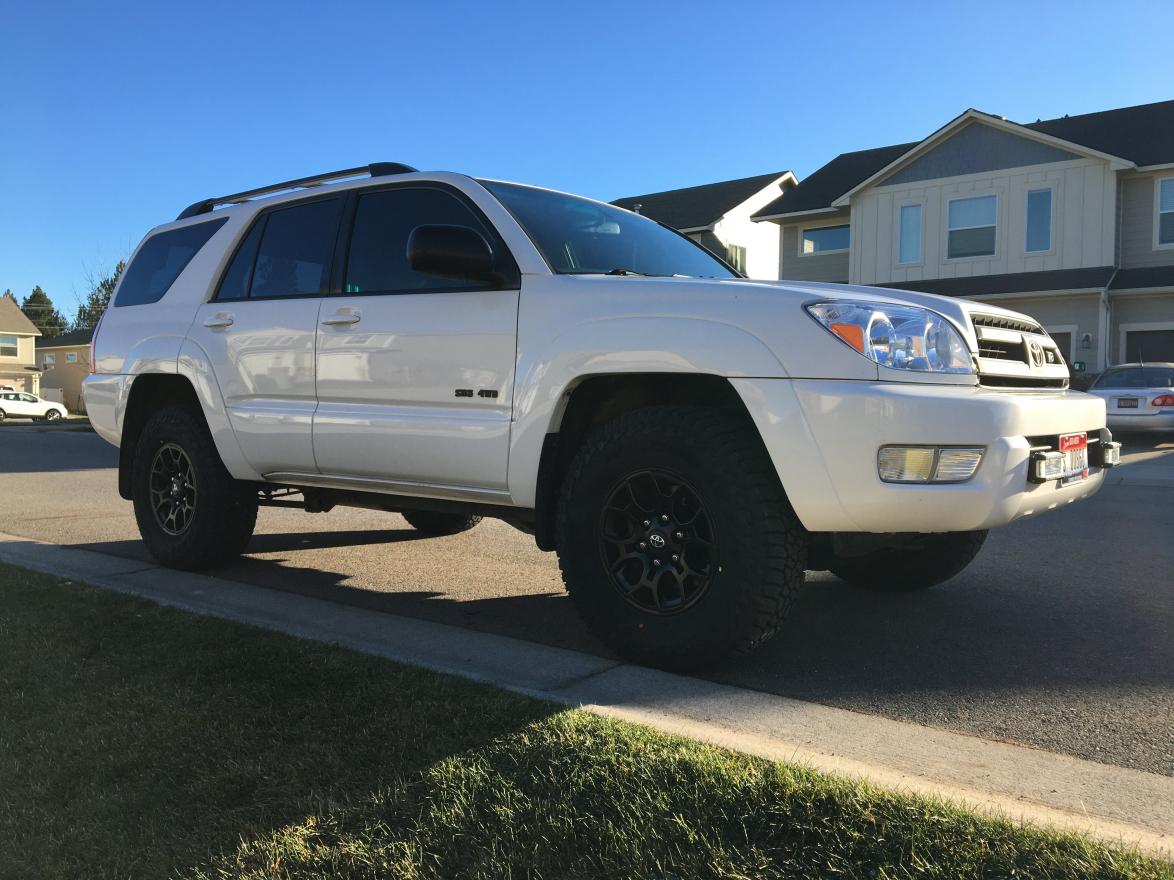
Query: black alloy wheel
{"points": [[173, 489], [658, 543]]}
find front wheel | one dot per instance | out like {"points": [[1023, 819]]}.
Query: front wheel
{"points": [[191, 513], [926, 562], [3, 415], [675, 540], [435, 524]]}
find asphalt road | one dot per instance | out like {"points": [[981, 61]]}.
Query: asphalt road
{"points": [[1059, 636]]}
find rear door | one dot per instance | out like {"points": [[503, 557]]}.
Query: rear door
{"points": [[259, 332], [415, 373]]}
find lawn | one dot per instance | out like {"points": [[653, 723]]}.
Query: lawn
{"points": [[141, 741]]}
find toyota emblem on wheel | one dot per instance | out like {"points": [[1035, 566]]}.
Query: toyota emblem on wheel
{"points": [[657, 541]]}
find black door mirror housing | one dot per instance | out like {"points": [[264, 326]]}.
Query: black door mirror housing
{"points": [[456, 252]]}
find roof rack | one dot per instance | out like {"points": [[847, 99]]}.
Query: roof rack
{"points": [[375, 169]]}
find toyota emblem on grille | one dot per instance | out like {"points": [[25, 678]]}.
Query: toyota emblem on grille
{"points": [[1037, 354]]}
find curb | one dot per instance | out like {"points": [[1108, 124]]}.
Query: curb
{"points": [[1114, 804]]}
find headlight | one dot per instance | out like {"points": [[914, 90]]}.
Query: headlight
{"points": [[901, 337]]}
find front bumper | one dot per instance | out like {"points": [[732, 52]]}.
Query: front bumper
{"points": [[823, 437]]}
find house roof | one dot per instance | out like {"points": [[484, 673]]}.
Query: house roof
{"points": [[1143, 277], [1143, 135], [696, 207], [64, 340], [13, 320], [1016, 282]]}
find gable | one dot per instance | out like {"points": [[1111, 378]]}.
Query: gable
{"points": [[974, 149]]}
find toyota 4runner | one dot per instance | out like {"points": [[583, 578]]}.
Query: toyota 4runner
{"points": [[690, 442]]}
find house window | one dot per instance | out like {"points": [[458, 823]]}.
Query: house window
{"points": [[971, 229], [824, 240], [1039, 220], [736, 257], [8, 347], [1165, 224], [71, 357], [50, 360], [909, 239]]}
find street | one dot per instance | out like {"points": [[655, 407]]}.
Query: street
{"points": [[1059, 636]]}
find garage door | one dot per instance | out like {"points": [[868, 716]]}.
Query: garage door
{"points": [[1149, 345]]}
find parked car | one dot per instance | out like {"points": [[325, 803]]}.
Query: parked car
{"points": [[1139, 397], [21, 405], [687, 440], [6, 388]]}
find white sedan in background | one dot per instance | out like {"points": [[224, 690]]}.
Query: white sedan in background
{"points": [[1138, 397], [19, 405]]}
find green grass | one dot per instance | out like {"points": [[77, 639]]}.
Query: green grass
{"points": [[140, 741]]}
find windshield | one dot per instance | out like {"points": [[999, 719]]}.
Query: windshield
{"points": [[1137, 377], [580, 237]]}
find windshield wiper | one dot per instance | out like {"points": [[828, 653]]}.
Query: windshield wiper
{"points": [[626, 272]]}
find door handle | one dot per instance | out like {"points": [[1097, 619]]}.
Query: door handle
{"points": [[219, 321], [343, 319]]}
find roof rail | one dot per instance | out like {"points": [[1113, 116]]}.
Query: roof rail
{"points": [[375, 169]]}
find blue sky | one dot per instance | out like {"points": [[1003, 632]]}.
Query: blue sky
{"points": [[114, 116]]}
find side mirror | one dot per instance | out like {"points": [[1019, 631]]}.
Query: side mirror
{"points": [[456, 252]]}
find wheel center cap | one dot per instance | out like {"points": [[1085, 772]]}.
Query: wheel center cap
{"points": [[657, 540]]}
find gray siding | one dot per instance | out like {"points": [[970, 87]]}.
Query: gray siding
{"points": [[1156, 309], [1137, 223], [974, 149], [816, 267]]}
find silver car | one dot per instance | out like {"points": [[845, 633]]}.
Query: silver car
{"points": [[1139, 397]]}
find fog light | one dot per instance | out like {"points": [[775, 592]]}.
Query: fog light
{"points": [[1047, 466], [905, 464], [928, 464], [1110, 453], [956, 464]]}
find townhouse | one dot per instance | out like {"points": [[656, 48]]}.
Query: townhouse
{"points": [[1069, 220]]}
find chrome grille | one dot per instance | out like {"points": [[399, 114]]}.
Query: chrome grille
{"points": [[1005, 354], [1001, 323]]}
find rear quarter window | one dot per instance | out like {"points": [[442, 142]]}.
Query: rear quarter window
{"points": [[160, 260]]}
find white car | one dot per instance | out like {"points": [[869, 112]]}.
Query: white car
{"points": [[689, 441], [1139, 397], [20, 405]]}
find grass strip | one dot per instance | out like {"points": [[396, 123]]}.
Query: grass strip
{"points": [[142, 741]]}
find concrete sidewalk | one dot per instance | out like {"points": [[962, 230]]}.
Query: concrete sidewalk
{"points": [[1112, 803]]}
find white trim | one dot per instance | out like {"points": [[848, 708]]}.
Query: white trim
{"points": [[971, 115], [1141, 291], [1123, 329], [1071, 330], [946, 243], [1158, 212], [692, 229], [1036, 294], [803, 229], [1028, 190], [920, 261], [797, 214], [1165, 166]]}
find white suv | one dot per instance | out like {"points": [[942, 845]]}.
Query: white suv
{"points": [[689, 441], [21, 405]]}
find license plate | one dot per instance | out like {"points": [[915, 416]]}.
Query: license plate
{"points": [[1127, 402], [1074, 447]]}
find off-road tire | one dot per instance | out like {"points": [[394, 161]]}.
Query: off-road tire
{"points": [[225, 511], [760, 544], [437, 524], [909, 569]]}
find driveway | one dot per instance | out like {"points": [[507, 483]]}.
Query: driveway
{"points": [[1059, 636]]}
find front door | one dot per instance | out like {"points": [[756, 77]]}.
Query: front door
{"points": [[415, 372], [259, 333]]}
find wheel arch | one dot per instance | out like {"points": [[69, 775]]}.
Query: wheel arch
{"points": [[592, 400]]}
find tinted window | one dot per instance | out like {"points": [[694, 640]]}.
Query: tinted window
{"points": [[160, 260], [378, 260], [1137, 377], [296, 247], [235, 284], [579, 236]]}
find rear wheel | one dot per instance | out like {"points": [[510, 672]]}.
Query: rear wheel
{"points": [[430, 522], [52, 415], [675, 540], [191, 513], [927, 562], [3, 415]]}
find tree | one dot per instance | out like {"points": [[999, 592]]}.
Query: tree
{"points": [[12, 296], [90, 312], [39, 309]]}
